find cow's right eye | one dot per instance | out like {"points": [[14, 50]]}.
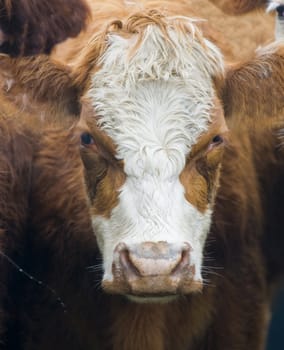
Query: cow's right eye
{"points": [[87, 139]]}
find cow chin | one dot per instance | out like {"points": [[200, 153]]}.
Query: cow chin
{"points": [[152, 272], [152, 290], [152, 299]]}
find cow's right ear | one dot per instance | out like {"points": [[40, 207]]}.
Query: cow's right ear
{"points": [[255, 89]]}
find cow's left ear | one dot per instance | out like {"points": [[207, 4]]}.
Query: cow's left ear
{"points": [[30, 82], [256, 88]]}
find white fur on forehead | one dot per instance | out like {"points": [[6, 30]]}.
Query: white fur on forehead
{"points": [[155, 124], [160, 56], [154, 92]]}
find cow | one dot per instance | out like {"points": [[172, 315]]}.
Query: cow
{"points": [[34, 26], [156, 222]]}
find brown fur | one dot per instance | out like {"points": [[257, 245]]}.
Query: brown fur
{"points": [[15, 177], [35, 26], [265, 69], [242, 34], [39, 87], [57, 245], [32, 156], [237, 36], [237, 7], [201, 173]]}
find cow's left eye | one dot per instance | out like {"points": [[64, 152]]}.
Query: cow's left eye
{"points": [[87, 139], [217, 140]]}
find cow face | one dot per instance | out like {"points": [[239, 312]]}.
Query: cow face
{"points": [[152, 155]]}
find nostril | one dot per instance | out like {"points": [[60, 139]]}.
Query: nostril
{"points": [[120, 247], [152, 259], [280, 11], [184, 261], [126, 263], [184, 258]]}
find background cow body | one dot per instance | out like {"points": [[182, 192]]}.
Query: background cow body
{"points": [[36, 85], [39, 90], [34, 26], [24, 30], [238, 36]]}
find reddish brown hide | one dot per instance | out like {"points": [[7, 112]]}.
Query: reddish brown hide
{"points": [[237, 7], [47, 231]]}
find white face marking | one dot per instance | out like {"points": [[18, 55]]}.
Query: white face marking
{"points": [[279, 25], [154, 104], [150, 210]]}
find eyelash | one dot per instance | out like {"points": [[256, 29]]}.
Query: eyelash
{"points": [[91, 145], [217, 140]]}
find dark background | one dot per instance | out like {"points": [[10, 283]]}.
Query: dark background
{"points": [[275, 340]]}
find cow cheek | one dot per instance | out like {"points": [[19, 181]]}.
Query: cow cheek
{"points": [[102, 205], [196, 189], [200, 182], [107, 193]]}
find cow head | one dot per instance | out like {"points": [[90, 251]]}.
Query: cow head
{"points": [[152, 152]]}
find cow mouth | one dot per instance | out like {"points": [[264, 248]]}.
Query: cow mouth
{"points": [[153, 299], [152, 288], [152, 271]]}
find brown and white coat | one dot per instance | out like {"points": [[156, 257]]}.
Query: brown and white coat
{"points": [[157, 195]]}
